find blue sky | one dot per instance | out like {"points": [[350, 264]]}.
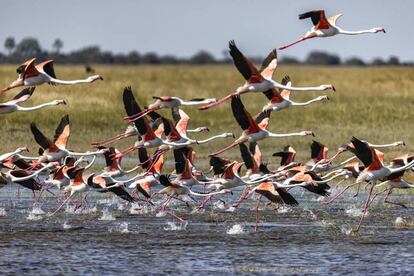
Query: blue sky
{"points": [[184, 27]]}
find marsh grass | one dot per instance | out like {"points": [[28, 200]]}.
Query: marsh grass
{"points": [[370, 103]]}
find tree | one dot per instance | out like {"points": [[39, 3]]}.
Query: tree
{"points": [[57, 45], [323, 58], [9, 44], [393, 60], [202, 57], [354, 61], [28, 47]]}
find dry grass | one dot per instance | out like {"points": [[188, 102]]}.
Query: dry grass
{"points": [[371, 103]]}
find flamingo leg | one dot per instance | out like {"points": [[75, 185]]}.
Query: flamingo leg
{"points": [[63, 203], [232, 145], [293, 43], [256, 228], [216, 103], [339, 194], [391, 202], [359, 187], [242, 197], [366, 205]]}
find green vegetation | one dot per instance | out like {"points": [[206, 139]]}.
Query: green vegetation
{"points": [[370, 103]]}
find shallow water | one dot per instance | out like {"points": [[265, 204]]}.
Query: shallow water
{"points": [[111, 237]]}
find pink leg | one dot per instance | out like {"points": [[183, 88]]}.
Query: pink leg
{"points": [[339, 194], [366, 205], [257, 213], [242, 197]]}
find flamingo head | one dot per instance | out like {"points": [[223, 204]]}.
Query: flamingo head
{"points": [[308, 133], [58, 102], [379, 30], [328, 87], [22, 149], [229, 134], [94, 78], [226, 191]]}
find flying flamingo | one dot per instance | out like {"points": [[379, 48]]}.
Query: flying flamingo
{"points": [[167, 102], [258, 80], [56, 150], [281, 100], [253, 130], [276, 195], [31, 75], [24, 95], [5, 156], [325, 27], [287, 157], [102, 185], [374, 170]]}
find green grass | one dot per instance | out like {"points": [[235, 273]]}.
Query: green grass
{"points": [[370, 103]]}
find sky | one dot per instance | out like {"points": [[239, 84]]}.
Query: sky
{"points": [[184, 27]]}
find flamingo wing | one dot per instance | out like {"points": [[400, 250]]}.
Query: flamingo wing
{"points": [[285, 94], [262, 119], [317, 150], [218, 164], [332, 20], [40, 138], [242, 116], [164, 181], [181, 121], [363, 152], [246, 156], [28, 69], [286, 197], [256, 153], [62, 132], [318, 18], [22, 96], [120, 192], [144, 157], [269, 65], [31, 184], [170, 131], [245, 66]]}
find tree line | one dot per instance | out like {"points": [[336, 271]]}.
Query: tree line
{"points": [[30, 47]]}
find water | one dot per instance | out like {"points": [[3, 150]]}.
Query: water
{"points": [[106, 239]]}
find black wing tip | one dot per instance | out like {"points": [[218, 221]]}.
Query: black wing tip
{"points": [[164, 180]]}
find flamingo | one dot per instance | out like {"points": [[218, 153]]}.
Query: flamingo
{"points": [[273, 194], [258, 80], [113, 166], [31, 75], [374, 170], [253, 130], [281, 100], [103, 185], [167, 102], [287, 157], [6, 156], [24, 95], [325, 27], [56, 150]]}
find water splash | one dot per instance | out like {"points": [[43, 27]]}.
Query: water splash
{"points": [[3, 212], [160, 214], [35, 214], [107, 215], [355, 212], [236, 229], [66, 225], [346, 229], [71, 209], [121, 227], [231, 209], [311, 213], [219, 205], [172, 226], [137, 209], [283, 210]]}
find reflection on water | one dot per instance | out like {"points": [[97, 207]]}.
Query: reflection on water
{"points": [[108, 239]]}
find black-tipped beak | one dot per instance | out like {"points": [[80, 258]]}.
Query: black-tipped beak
{"points": [[327, 98], [333, 88]]}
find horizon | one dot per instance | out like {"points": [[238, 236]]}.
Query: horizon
{"points": [[184, 28]]}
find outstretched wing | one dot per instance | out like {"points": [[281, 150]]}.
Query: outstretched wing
{"points": [[62, 133], [242, 116], [269, 65], [47, 67], [41, 139], [28, 69], [181, 121], [318, 18], [332, 20], [22, 96], [245, 66], [363, 152]]}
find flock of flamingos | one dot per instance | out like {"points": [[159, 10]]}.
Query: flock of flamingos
{"points": [[66, 170]]}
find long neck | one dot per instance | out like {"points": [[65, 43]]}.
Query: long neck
{"points": [[88, 80], [83, 153], [91, 163], [128, 171], [403, 168], [207, 194], [386, 145], [306, 103], [28, 157], [205, 101], [9, 154], [293, 88], [14, 179], [357, 32], [331, 178], [21, 108], [211, 138], [277, 135]]}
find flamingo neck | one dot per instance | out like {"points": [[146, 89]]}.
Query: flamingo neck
{"points": [[21, 108], [68, 82], [277, 135], [358, 32]]}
